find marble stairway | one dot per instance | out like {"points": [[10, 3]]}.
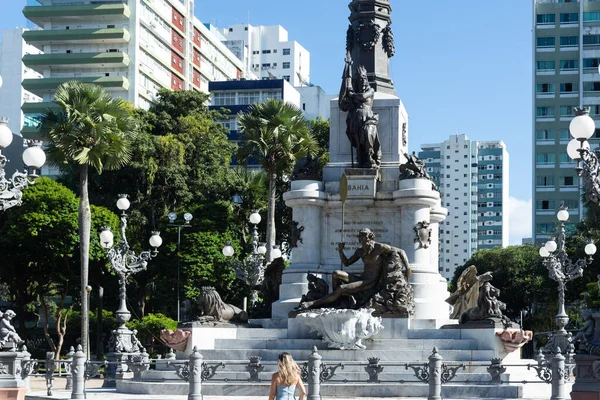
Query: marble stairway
{"points": [[235, 345]]}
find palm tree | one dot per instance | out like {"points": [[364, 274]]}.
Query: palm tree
{"points": [[276, 134], [91, 129]]}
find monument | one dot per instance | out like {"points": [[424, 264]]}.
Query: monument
{"points": [[15, 361], [383, 189]]}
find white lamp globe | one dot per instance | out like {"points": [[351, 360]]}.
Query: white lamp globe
{"points": [[255, 217], [276, 252], [582, 127], [551, 246], [262, 249], [123, 203], [155, 240], [187, 217], [6, 135], [34, 156], [106, 238], [575, 145], [172, 216], [590, 249], [543, 252], [228, 250], [562, 215]]}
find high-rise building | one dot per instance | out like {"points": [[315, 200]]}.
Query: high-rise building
{"points": [[133, 48], [472, 178], [268, 52], [12, 71], [566, 50]]}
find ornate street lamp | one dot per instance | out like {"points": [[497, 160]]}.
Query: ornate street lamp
{"points": [[562, 270], [187, 217], [252, 269], [582, 127], [11, 190], [125, 263]]}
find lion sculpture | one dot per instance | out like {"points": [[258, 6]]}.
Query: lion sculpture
{"points": [[213, 308]]}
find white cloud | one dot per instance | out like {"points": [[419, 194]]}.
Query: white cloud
{"points": [[519, 220]]}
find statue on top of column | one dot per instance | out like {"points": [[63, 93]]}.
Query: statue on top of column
{"points": [[356, 98]]}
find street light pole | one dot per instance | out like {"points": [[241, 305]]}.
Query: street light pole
{"points": [[562, 270], [187, 217]]}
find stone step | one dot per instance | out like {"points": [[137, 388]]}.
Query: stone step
{"points": [[375, 344], [434, 334], [271, 333], [347, 390], [332, 355]]}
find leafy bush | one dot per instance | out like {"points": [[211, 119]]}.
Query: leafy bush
{"points": [[150, 326]]}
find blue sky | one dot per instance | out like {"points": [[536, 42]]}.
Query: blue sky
{"points": [[460, 67]]}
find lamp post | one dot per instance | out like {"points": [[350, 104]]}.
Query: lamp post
{"points": [[125, 263], [582, 127], [11, 190], [562, 270], [187, 217], [252, 269]]}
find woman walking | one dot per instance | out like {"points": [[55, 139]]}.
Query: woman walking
{"points": [[286, 380]]}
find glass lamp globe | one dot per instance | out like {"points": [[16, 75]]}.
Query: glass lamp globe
{"points": [[551, 246], [187, 217], [582, 127], [562, 215], [255, 217], [575, 145], [34, 156], [155, 240], [6, 135], [590, 249], [123, 203], [172, 216], [106, 238], [228, 250], [262, 249], [543, 252], [276, 252]]}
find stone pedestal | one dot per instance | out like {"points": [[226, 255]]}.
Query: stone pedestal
{"points": [[12, 394], [14, 370], [587, 370]]}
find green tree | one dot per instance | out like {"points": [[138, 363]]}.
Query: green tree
{"points": [[277, 134], [91, 129]]}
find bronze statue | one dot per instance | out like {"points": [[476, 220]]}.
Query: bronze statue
{"points": [[317, 288], [467, 292], [374, 286], [356, 98], [488, 306], [213, 308]]}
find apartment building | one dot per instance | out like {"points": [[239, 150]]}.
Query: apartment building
{"points": [[12, 71], [132, 48], [268, 52], [472, 178], [566, 50]]}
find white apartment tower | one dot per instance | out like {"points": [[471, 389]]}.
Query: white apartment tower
{"points": [[133, 48], [472, 178], [267, 52], [12, 71]]}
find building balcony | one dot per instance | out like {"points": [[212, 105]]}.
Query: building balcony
{"points": [[39, 62], [39, 107], [49, 85], [78, 36], [40, 15]]}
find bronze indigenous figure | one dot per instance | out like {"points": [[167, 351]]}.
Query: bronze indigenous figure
{"points": [[382, 285], [356, 98]]}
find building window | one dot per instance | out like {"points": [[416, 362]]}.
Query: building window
{"points": [[591, 16], [569, 41], [544, 134], [591, 40], [286, 52], [567, 111], [266, 51], [286, 65], [591, 86], [286, 77], [550, 41], [590, 63], [569, 18], [569, 65], [544, 111], [545, 19], [568, 181], [567, 87], [544, 88], [545, 158], [545, 65]]}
